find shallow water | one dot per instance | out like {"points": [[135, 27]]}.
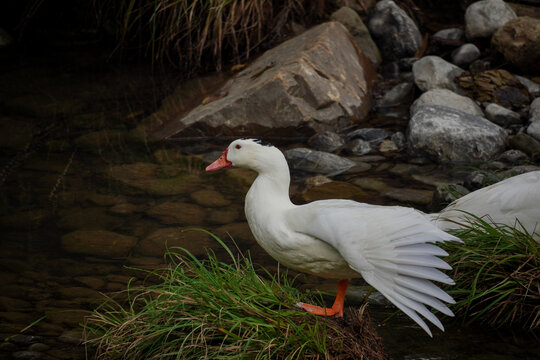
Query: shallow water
{"points": [[71, 168]]}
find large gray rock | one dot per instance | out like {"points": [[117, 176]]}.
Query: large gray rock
{"points": [[452, 136], [303, 85], [352, 21], [449, 99], [319, 162], [394, 31], [483, 18], [433, 72], [534, 130]]}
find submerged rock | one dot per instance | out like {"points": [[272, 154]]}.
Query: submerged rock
{"points": [[393, 30], [98, 243], [317, 161], [316, 79], [449, 135], [327, 141], [157, 243], [483, 18], [181, 213]]}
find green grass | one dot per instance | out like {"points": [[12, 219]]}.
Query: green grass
{"points": [[497, 275], [209, 309]]}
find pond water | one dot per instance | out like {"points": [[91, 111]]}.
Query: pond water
{"points": [[85, 200]]}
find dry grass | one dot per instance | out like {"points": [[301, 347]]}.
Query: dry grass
{"points": [[197, 33]]}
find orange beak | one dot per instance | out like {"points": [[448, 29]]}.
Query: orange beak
{"points": [[220, 163]]}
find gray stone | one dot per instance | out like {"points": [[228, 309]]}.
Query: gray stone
{"points": [[352, 21], [514, 157], [534, 130], [305, 84], [476, 180], [39, 347], [394, 31], [483, 18], [450, 34], [452, 136], [387, 146], [433, 72], [372, 135], [396, 95], [327, 141], [358, 147], [74, 336], [465, 54], [25, 340], [534, 111], [501, 115], [399, 139], [525, 143], [445, 194], [317, 161], [448, 98], [27, 355], [532, 87]]}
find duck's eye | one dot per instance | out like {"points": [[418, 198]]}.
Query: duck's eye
{"points": [[238, 147]]}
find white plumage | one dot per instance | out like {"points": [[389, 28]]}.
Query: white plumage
{"points": [[391, 247], [514, 202]]}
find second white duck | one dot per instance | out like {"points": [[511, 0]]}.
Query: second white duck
{"points": [[391, 247]]}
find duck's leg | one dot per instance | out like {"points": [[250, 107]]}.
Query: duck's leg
{"points": [[336, 309]]}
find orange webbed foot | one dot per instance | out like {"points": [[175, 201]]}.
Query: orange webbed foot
{"points": [[336, 309]]}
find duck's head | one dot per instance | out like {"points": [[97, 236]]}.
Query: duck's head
{"points": [[251, 154]]}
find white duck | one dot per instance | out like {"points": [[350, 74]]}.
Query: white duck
{"points": [[391, 247], [514, 202]]}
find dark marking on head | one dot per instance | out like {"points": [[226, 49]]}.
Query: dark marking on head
{"points": [[260, 142]]}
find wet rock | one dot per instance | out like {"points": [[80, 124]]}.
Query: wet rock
{"points": [[483, 18], [101, 141], [371, 184], [178, 213], [25, 340], [209, 198], [501, 115], [239, 232], [372, 135], [518, 40], [514, 157], [445, 97], [525, 143], [39, 347], [103, 199], [534, 130], [450, 34], [27, 355], [397, 94], [25, 219], [445, 194], [437, 180], [87, 218], [90, 281], [412, 196], [476, 180], [78, 292], [157, 243], [124, 209], [152, 179], [393, 30], [313, 161], [15, 135], [465, 54], [315, 79], [432, 72], [387, 146], [7, 347], [532, 87], [98, 242], [449, 135], [327, 141], [223, 216], [358, 147], [495, 86], [334, 190], [74, 336], [399, 139], [361, 8], [352, 21], [402, 169]]}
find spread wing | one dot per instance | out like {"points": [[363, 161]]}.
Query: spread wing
{"points": [[506, 202], [391, 247]]}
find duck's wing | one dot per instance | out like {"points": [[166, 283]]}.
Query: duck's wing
{"points": [[506, 202], [391, 247]]}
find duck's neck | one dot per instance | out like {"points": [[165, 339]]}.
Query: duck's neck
{"points": [[270, 190]]}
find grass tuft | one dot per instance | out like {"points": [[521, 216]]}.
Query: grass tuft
{"points": [[497, 275], [209, 309]]}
